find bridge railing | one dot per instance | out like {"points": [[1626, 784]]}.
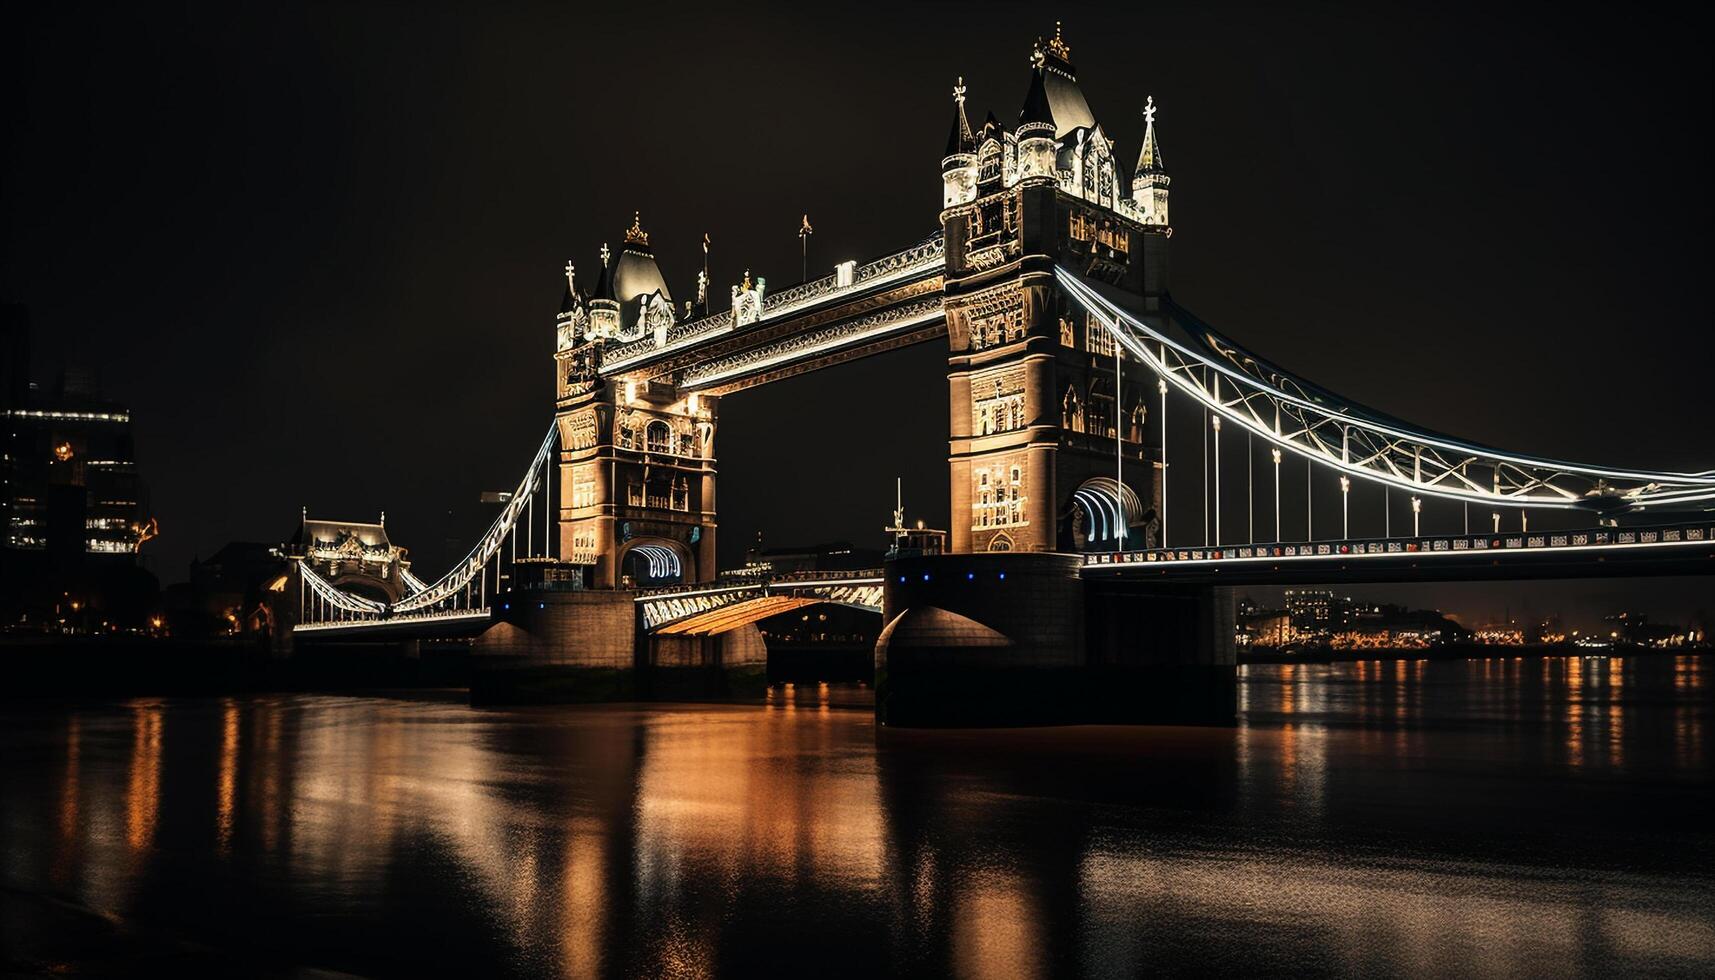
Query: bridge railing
{"points": [[918, 260], [1508, 542]]}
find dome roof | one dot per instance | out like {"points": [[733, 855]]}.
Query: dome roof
{"points": [[636, 274]]}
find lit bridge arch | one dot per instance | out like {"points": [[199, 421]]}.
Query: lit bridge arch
{"points": [[709, 610]]}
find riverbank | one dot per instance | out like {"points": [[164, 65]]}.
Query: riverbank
{"points": [[1457, 651], [103, 667]]}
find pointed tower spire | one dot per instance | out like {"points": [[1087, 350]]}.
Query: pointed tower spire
{"points": [[1035, 132], [960, 139], [1149, 158], [569, 301], [959, 165], [1149, 181], [1036, 112]]}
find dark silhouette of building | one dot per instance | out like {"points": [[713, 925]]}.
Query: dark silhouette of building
{"points": [[74, 508]]}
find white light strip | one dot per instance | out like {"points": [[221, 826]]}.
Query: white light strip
{"points": [[37, 413], [767, 315], [653, 596], [1088, 298], [461, 574], [1337, 556], [369, 624], [818, 584], [785, 358]]}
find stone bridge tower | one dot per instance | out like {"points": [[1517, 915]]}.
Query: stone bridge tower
{"points": [[1037, 428], [636, 473]]}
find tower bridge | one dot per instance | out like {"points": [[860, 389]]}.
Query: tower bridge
{"points": [[1066, 581]]}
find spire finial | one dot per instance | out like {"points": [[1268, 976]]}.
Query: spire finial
{"points": [[1058, 47], [604, 254], [1149, 110], [635, 235], [571, 276], [1037, 58], [959, 91]]}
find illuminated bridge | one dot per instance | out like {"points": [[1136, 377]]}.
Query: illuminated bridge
{"points": [[1114, 462]]}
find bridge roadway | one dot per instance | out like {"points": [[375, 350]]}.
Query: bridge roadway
{"points": [[710, 609], [1676, 549]]}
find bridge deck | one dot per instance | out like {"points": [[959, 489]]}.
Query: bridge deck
{"points": [[1684, 549]]}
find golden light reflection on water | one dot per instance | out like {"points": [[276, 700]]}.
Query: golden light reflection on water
{"points": [[997, 928], [595, 841], [226, 781], [584, 900], [762, 796], [1574, 668], [143, 789], [1428, 915]]}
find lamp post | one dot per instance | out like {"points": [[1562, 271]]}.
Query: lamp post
{"points": [[1497, 516], [1161, 388], [1276, 454], [1416, 509], [1345, 508], [1217, 422]]}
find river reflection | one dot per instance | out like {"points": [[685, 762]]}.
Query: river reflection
{"points": [[1482, 817]]}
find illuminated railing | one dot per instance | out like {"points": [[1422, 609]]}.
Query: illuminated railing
{"points": [[1310, 421], [921, 259], [1678, 536], [460, 576]]}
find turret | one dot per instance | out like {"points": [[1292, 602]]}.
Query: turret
{"points": [[1149, 181], [570, 322], [959, 166], [1035, 132], [603, 306]]}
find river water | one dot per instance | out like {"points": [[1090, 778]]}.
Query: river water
{"points": [[1534, 817]]}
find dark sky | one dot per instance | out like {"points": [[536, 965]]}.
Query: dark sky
{"points": [[317, 249]]}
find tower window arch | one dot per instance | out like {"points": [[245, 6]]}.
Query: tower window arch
{"points": [[658, 437]]}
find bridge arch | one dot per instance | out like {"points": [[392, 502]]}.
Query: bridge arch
{"points": [[653, 560], [1104, 515]]}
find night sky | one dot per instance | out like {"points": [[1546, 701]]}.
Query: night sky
{"points": [[318, 250]]}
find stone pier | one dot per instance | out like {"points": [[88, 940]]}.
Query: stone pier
{"points": [[1020, 638]]}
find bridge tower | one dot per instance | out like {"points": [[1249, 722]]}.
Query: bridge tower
{"points": [[1049, 448], [636, 469]]}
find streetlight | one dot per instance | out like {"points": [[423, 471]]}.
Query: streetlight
{"points": [[1416, 509], [1217, 421], [1161, 389], [1345, 510], [1276, 454], [1497, 516]]}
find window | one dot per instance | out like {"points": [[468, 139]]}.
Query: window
{"points": [[999, 497], [583, 489], [584, 546], [658, 437], [1097, 340], [1000, 414]]}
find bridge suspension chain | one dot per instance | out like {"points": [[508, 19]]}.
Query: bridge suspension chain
{"points": [[1301, 418], [499, 534]]}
